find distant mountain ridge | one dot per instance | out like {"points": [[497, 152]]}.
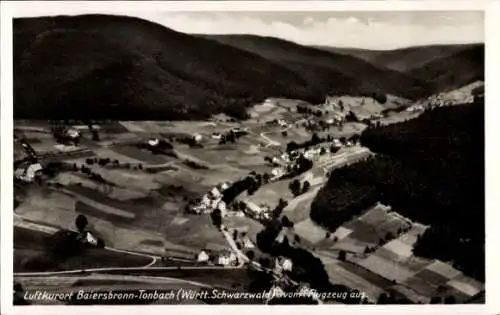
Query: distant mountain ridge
{"points": [[403, 59], [119, 67]]}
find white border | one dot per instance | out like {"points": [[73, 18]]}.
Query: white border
{"points": [[8, 10]]}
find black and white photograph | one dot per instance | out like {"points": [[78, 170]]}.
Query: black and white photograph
{"points": [[242, 157]]}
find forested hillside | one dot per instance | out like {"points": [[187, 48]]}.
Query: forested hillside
{"points": [[403, 59], [348, 68], [430, 169], [127, 68]]}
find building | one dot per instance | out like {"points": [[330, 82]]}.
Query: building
{"points": [[224, 186], [205, 200], [29, 173], [226, 259], [202, 257], [282, 123], [247, 243], [287, 264], [72, 133], [277, 173], [312, 154], [91, 239], [153, 142], [282, 264], [197, 137], [253, 207], [215, 192], [221, 205]]}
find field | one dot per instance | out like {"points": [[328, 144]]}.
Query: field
{"points": [[31, 254], [391, 267], [141, 205]]}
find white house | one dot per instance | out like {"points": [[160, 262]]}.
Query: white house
{"points": [[286, 264], [91, 239], [224, 186], [221, 205], [197, 137], [277, 172], [247, 243], [215, 192], [282, 123], [223, 260], [253, 207], [153, 142], [205, 200], [202, 257], [311, 154], [226, 259], [285, 157], [28, 174], [73, 133], [214, 203]]}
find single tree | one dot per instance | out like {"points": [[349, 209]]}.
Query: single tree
{"points": [[305, 186], [81, 222], [342, 255], [294, 187]]}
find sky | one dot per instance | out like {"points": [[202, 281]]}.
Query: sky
{"points": [[380, 30]]}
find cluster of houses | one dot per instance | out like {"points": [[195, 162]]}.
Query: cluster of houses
{"points": [[286, 161], [438, 100], [211, 201], [236, 130], [224, 258]]}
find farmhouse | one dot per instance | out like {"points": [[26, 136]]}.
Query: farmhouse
{"points": [[72, 133], [215, 192], [277, 173], [282, 123], [153, 142], [282, 264], [224, 186], [226, 259], [197, 137], [247, 243], [28, 173], [202, 257]]}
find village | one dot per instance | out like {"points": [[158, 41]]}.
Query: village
{"points": [[212, 185]]}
